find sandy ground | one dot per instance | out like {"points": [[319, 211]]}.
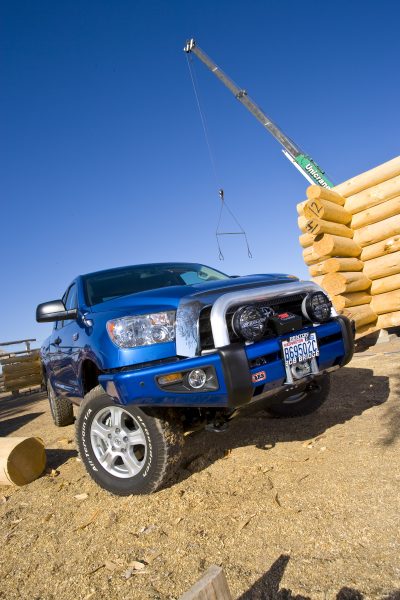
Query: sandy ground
{"points": [[292, 509]]}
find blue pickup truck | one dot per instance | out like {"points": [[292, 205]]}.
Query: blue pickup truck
{"points": [[149, 352]]}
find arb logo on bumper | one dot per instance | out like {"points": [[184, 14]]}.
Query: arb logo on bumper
{"points": [[260, 376]]}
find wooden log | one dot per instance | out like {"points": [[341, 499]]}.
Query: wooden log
{"points": [[301, 223], [389, 320], [369, 178], [382, 266], [374, 195], [378, 231], [310, 257], [334, 265], [376, 213], [318, 269], [361, 315], [212, 586], [316, 192], [318, 280], [328, 211], [342, 301], [22, 459], [306, 240], [385, 284], [387, 246], [333, 245], [386, 303], [367, 329], [318, 226], [300, 208], [344, 283]]}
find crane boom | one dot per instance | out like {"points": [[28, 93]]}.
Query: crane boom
{"points": [[305, 164]]}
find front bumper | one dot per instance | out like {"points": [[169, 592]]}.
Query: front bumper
{"points": [[236, 367]]}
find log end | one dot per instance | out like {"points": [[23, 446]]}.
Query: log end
{"points": [[24, 462]]}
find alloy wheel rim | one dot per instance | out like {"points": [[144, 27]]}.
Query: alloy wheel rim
{"points": [[118, 442]]}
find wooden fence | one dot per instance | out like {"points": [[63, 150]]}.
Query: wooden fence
{"points": [[20, 369]]}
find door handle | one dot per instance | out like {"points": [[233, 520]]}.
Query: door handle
{"points": [[75, 336], [57, 341]]}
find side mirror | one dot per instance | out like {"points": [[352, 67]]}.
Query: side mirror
{"points": [[54, 311]]}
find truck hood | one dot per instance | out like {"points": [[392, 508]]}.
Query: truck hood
{"points": [[171, 296]]}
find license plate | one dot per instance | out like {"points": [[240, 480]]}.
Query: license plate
{"points": [[300, 348]]}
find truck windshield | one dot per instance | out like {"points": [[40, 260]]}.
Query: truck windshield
{"points": [[105, 285]]}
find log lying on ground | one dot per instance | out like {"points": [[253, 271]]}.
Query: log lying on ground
{"points": [[374, 195], [386, 303], [333, 245], [376, 213], [318, 226], [344, 283], [21, 460], [333, 265], [391, 244], [369, 178], [371, 234], [385, 284], [328, 211], [353, 299], [316, 192], [389, 320], [306, 240], [362, 315], [382, 266]]}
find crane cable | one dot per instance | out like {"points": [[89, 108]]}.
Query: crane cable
{"points": [[221, 194]]}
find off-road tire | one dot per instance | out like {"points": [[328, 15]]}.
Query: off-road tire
{"points": [[307, 403], [164, 439], [61, 408]]}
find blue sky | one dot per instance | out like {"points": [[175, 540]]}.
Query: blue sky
{"points": [[103, 161]]}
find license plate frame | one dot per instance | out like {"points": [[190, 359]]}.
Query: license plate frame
{"points": [[299, 348]]}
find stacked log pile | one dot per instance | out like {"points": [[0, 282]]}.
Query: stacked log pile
{"points": [[351, 244], [20, 370]]}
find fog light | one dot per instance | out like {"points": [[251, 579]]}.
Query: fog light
{"points": [[171, 378], [197, 378]]}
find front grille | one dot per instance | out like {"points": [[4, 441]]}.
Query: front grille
{"points": [[290, 304]]}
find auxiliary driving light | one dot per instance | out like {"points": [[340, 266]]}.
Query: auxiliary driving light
{"points": [[249, 322], [317, 307], [197, 378]]}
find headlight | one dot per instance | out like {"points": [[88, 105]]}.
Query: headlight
{"points": [[317, 307], [142, 330]]}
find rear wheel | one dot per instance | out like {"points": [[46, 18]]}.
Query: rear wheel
{"points": [[303, 403], [125, 450], [61, 408]]}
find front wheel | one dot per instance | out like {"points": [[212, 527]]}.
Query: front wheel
{"points": [[303, 403], [125, 450]]}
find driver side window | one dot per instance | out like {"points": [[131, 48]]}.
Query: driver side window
{"points": [[70, 300]]}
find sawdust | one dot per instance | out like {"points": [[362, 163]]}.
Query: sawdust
{"points": [[293, 508]]}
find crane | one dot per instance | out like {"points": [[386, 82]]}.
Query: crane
{"points": [[303, 163]]}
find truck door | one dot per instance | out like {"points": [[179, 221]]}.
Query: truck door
{"points": [[70, 348]]}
